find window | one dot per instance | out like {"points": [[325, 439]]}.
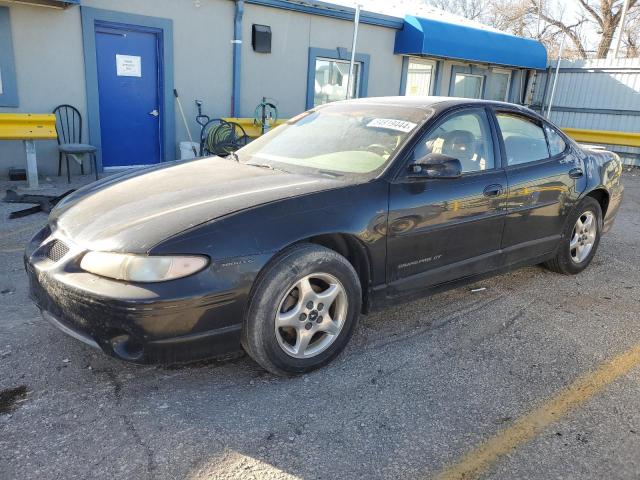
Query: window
{"points": [[331, 80], [467, 85], [556, 144], [524, 140], [498, 85], [419, 75], [465, 136], [8, 88]]}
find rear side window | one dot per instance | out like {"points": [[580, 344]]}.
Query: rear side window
{"points": [[556, 144], [524, 140]]}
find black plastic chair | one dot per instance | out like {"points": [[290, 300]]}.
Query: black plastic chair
{"points": [[69, 130]]}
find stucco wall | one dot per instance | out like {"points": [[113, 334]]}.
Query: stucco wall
{"points": [[50, 63], [49, 66], [282, 74]]}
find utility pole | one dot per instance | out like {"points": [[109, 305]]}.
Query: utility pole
{"points": [[356, 20], [539, 17], [625, 7], [555, 79]]}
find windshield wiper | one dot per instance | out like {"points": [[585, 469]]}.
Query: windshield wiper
{"points": [[330, 174], [266, 165], [262, 165]]}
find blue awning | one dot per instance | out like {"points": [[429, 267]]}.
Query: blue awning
{"points": [[426, 36]]}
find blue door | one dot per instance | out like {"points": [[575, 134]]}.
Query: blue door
{"points": [[129, 78]]}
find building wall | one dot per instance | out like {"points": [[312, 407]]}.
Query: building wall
{"points": [[50, 65], [49, 61], [282, 74]]}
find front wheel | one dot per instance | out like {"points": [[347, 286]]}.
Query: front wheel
{"points": [[302, 311], [580, 239]]}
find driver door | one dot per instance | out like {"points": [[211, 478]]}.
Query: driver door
{"points": [[443, 229]]}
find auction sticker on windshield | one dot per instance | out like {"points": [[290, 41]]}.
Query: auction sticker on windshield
{"points": [[392, 124]]}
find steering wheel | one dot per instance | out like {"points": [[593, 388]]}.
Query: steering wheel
{"points": [[381, 148]]}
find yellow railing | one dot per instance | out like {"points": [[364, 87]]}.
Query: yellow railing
{"points": [[626, 139], [253, 129], [27, 126]]}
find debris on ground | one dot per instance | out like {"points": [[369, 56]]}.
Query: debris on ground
{"points": [[44, 203]]}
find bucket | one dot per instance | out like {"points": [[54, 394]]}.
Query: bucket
{"points": [[186, 150]]}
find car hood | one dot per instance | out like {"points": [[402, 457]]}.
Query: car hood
{"points": [[137, 210]]}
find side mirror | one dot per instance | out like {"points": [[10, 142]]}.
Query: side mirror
{"points": [[435, 165]]}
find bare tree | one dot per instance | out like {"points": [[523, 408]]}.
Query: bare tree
{"points": [[472, 9], [631, 36], [604, 13]]}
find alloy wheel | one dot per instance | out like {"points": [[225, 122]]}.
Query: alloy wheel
{"points": [[583, 237], [311, 315]]}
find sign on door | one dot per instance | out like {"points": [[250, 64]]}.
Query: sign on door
{"points": [[128, 66]]}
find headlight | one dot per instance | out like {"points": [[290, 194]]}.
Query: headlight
{"points": [[142, 268]]}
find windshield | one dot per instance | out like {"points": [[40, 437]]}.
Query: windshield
{"points": [[342, 139]]}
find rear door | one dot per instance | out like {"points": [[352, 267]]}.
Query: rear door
{"points": [[545, 178], [443, 229]]}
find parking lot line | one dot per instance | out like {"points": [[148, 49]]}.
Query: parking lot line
{"points": [[523, 429]]}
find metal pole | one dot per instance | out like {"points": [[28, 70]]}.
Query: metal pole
{"points": [[539, 19], [237, 61], [555, 79], [625, 7], [32, 164], [356, 20]]}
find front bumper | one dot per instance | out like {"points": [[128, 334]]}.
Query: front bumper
{"points": [[181, 320]]}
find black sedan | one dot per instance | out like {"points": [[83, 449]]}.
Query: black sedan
{"points": [[346, 208]]}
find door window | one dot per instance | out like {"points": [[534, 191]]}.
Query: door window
{"points": [[465, 136], [331, 79], [419, 75], [467, 85], [524, 139], [556, 144]]}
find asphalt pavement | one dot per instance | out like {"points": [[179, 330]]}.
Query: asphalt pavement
{"points": [[512, 381]]}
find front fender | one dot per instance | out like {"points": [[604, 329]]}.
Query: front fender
{"points": [[255, 235]]}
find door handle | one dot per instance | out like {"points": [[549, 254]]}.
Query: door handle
{"points": [[576, 172], [154, 112], [493, 190]]}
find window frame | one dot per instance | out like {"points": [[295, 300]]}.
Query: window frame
{"points": [[503, 151], [482, 81], [509, 73], [547, 125], [357, 67], [406, 157], [340, 54], [9, 95], [424, 61]]}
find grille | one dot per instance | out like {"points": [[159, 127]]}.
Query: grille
{"points": [[56, 250]]}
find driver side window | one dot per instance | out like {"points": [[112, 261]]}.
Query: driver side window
{"points": [[465, 136]]}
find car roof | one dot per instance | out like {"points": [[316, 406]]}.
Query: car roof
{"points": [[431, 101]]}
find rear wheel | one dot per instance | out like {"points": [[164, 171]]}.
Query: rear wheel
{"points": [[580, 239], [302, 311]]}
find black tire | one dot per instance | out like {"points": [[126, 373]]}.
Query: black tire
{"points": [[563, 261], [259, 337]]}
